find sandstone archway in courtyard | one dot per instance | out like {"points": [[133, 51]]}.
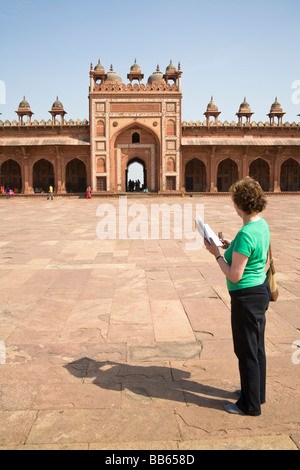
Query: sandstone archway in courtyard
{"points": [[127, 149], [43, 175], [11, 176], [260, 171], [136, 175], [227, 174], [76, 180], [290, 175], [195, 176]]}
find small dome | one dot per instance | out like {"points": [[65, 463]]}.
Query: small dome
{"points": [[112, 76], [276, 106], [135, 67], [245, 105], [156, 76], [99, 67], [57, 104], [171, 67], [24, 104], [212, 104]]}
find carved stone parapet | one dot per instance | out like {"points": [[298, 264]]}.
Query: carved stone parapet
{"points": [[149, 87]]}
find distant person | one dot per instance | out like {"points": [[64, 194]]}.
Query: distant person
{"points": [[244, 267], [50, 195], [131, 185], [88, 193]]}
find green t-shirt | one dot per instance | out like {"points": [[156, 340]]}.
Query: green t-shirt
{"points": [[252, 240]]}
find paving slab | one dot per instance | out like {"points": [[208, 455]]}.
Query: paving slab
{"points": [[258, 443], [126, 344], [72, 426]]}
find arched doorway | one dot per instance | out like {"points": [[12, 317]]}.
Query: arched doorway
{"points": [[135, 144], [136, 178], [76, 181], [227, 174], [43, 175], [260, 171], [11, 176], [195, 176], [290, 175]]}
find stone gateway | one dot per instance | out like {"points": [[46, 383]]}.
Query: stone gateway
{"points": [[140, 124]]}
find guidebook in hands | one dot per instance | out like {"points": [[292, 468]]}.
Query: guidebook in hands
{"points": [[207, 232]]}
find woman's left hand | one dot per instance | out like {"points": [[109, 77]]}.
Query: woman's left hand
{"points": [[212, 247]]}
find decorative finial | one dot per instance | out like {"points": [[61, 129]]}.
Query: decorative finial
{"points": [[179, 66], [111, 68], [157, 68]]}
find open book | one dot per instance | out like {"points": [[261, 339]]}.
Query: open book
{"points": [[207, 232]]}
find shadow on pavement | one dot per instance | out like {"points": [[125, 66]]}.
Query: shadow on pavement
{"points": [[149, 382]]}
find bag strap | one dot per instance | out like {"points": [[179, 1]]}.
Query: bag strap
{"points": [[271, 259]]}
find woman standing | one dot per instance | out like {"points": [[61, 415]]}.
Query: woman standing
{"points": [[244, 268], [88, 193]]}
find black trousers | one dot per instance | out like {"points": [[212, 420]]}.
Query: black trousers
{"points": [[248, 321]]}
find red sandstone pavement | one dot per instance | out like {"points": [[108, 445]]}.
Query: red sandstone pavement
{"points": [[126, 343]]}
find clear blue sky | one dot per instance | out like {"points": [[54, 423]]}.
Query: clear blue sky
{"points": [[228, 49]]}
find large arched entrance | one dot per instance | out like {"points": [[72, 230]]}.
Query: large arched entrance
{"points": [[11, 176], [76, 181], [290, 175], [260, 171], [43, 175], [195, 176], [136, 175], [136, 147], [227, 174]]}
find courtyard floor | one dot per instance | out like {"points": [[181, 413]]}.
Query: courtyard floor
{"points": [[126, 343]]}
